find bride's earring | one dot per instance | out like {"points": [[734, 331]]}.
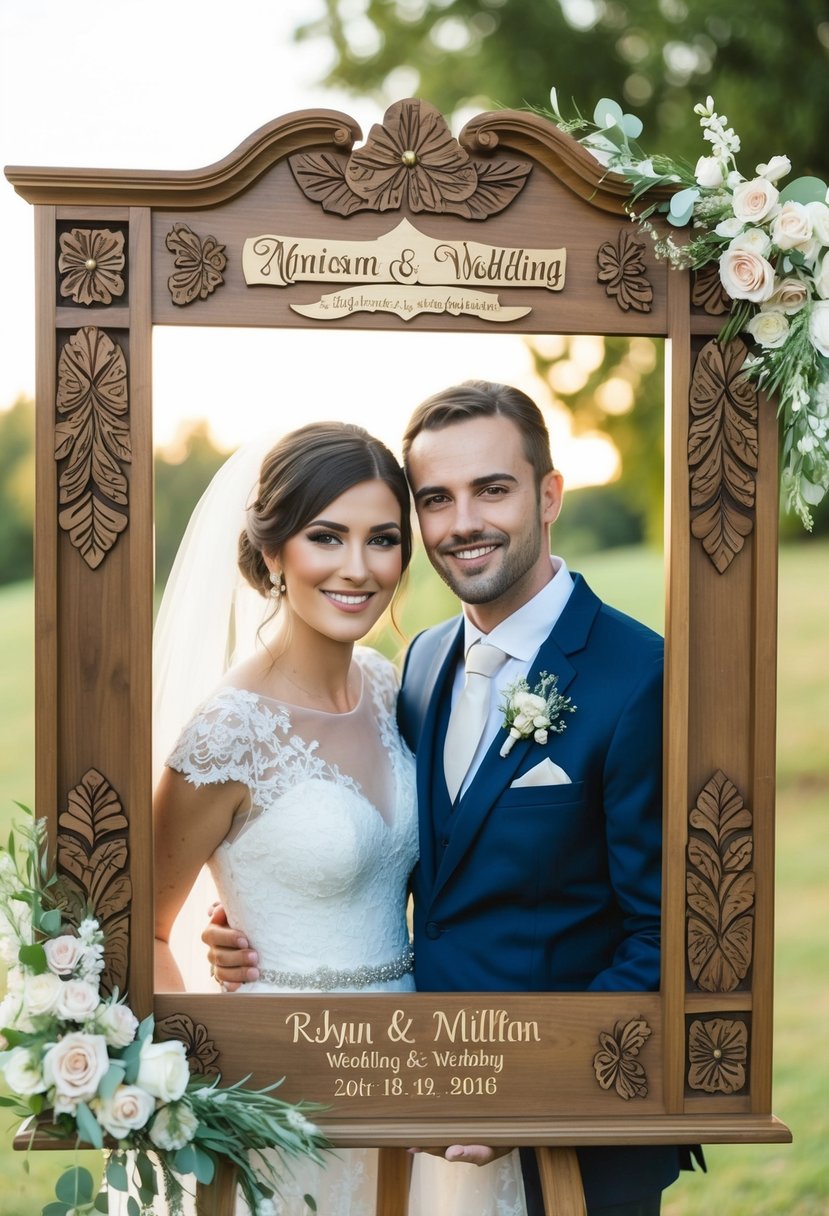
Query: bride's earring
{"points": [[278, 589]]}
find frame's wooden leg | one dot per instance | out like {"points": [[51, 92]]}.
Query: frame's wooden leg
{"points": [[218, 1198], [561, 1182], [394, 1169]]}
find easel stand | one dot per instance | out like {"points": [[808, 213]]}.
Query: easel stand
{"points": [[557, 1167]]}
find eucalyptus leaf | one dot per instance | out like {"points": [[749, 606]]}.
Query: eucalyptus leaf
{"points": [[146, 1173], [50, 922], [632, 126], [33, 957], [804, 190], [75, 1186], [204, 1167], [310, 1202], [55, 1209], [146, 1028], [813, 494], [608, 113], [131, 1058], [184, 1161], [101, 1202], [112, 1079], [89, 1128], [133, 1206], [116, 1175]]}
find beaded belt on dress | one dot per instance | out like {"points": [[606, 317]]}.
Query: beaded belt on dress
{"points": [[326, 979]]}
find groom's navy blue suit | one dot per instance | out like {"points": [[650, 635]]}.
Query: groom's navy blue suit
{"points": [[553, 888]]}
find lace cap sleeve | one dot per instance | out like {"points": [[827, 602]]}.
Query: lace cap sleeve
{"points": [[219, 742]]}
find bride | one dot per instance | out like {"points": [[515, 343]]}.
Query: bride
{"points": [[289, 779]]}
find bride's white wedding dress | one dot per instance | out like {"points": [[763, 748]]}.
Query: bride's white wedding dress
{"points": [[315, 871]]}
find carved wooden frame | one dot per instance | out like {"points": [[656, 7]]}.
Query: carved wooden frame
{"points": [[119, 251]]}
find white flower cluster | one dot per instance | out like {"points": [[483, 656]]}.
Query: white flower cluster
{"points": [[771, 248], [534, 713]]}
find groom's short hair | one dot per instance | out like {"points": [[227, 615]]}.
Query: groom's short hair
{"points": [[482, 399]]}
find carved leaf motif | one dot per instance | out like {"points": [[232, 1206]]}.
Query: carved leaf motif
{"points": [[717, 1054], [622, 270], [707, 291], [616, 1064], [321, 177], [410, 160], [199, 265], [722, 451], [201, 1051], [93, 868], [92, 436], [90, 262], [720, 888], [499, 181]]}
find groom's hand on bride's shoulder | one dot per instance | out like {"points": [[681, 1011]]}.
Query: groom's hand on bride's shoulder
{"points": [[232, 962]]}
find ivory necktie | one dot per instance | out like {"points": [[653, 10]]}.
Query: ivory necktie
{"points": [[469, 713]]}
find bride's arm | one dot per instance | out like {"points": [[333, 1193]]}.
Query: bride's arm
{"points": [[189, 823]]}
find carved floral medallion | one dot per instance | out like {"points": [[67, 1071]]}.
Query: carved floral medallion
{"points": [[199, 262], [92, 437], [717, 1055], [720, 887], [201, 1051], [92, 863], [722, 451], [622, 270], [616, 1065], [90, 265], [411, 160]]}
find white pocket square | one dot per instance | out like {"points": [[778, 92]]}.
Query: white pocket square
{"points": [[545, 773]]}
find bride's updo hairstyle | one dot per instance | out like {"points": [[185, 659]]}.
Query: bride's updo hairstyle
{"points": [[304, 472]]}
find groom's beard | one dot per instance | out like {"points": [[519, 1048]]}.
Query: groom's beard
{"points": [[511, 561]]}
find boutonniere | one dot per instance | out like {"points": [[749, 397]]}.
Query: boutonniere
{"points": [[537, 712]]}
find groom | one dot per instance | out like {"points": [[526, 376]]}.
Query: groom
{"points": [[539, 871]]}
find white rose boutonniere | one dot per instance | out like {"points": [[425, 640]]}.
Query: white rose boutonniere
{"points": [[537, 712]]}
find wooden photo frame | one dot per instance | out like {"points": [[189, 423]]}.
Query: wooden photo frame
{"points": [[512, 227]]}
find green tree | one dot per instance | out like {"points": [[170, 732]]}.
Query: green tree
{"points": [[767, 65], [182, 473], [17, 463]]}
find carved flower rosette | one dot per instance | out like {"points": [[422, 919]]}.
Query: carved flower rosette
{"points": [[411, 160], [90, 265]]}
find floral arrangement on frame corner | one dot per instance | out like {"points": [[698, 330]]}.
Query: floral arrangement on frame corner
{"points": [[771, 247], [81, 1062]]}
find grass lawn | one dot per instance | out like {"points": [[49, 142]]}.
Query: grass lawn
{"points": [[743, 1180]]}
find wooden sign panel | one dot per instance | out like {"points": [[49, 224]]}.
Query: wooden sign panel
{"points": [[511, 228]]}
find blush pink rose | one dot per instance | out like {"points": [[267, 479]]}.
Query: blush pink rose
{"points": [[746, 275]]}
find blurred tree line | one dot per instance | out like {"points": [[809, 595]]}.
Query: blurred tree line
{"points": [[182, 472], [767, 67]]}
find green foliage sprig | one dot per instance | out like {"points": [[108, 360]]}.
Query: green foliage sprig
{"points": [[84, 1064]]}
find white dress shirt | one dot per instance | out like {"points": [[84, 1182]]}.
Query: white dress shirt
{"points": [[520, 636]]}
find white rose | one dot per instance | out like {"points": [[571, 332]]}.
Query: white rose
{"points": [[819, 327], [117, 1023], [709, 171], [521, 723], [789, 295], [75, 1068], [776, 168], [819, 215], [746, 275], [42, 993], [528, 703], [540, 736], [821, 277], [174, 1126], [23, 1072], [730, 227], [754, 200], [78, 1001], [769, 328], [127, 1110], [63, 954], [163, 1070], [753, 238], [792, 227]]}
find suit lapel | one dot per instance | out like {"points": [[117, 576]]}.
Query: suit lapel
{"points": [[430, 746], [496, 772]]}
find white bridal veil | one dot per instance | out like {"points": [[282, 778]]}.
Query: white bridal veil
{"points": [[207, 621]]}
